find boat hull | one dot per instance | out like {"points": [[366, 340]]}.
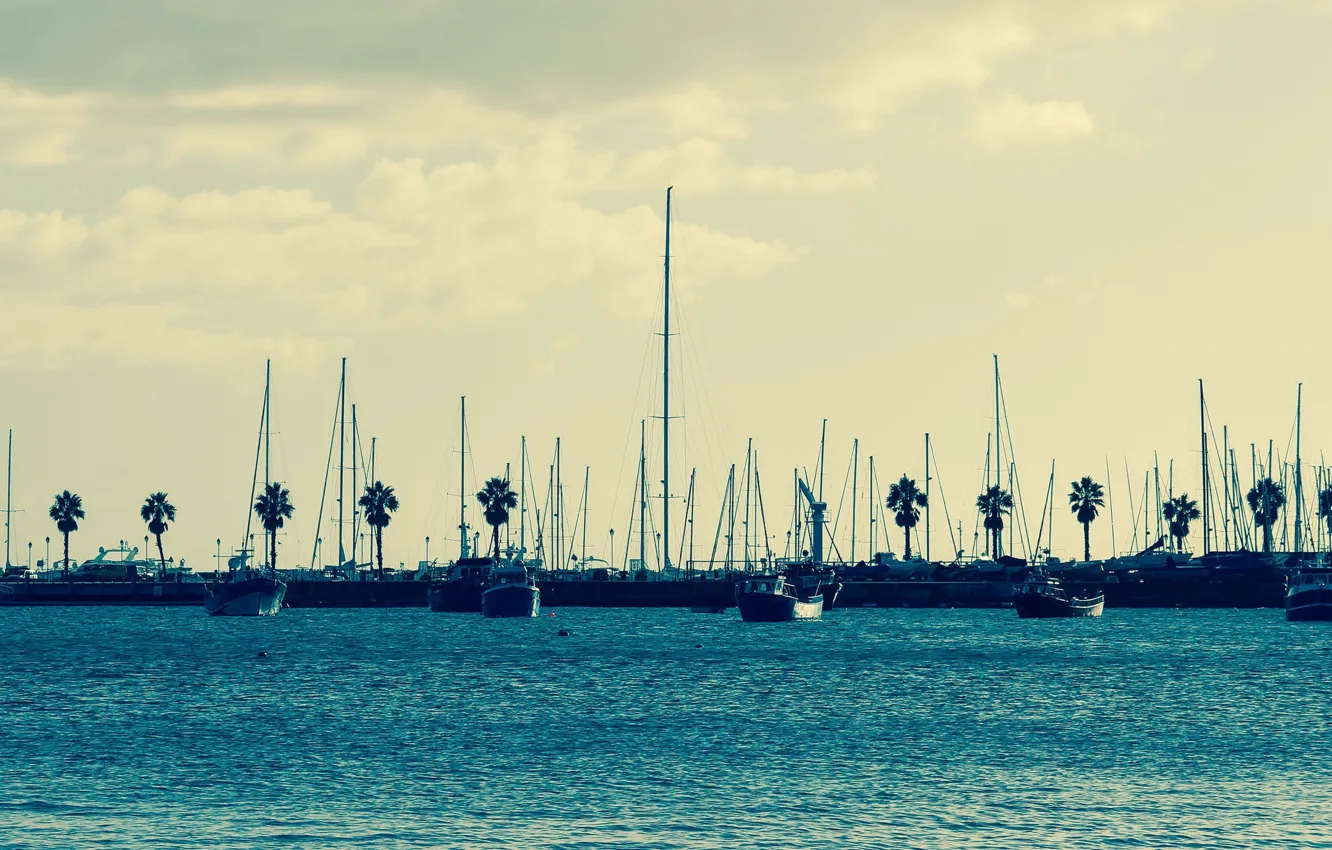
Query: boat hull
{"points": [[777, 608], [511, 600], [1036, 607], [457, 596], [254, 597], [1310, 606]]}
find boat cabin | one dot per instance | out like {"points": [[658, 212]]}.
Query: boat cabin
{"points": [[509, 574], [775, 585]]}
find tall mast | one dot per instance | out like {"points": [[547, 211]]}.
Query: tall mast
{"points": [[998, 443], [342, 460], [1299, 488], [463, 547], [927, 496], [9, 496], [666, 394], [642, 494], [1225, 484], [268, 441], [855, 471], [356, 503], [874, 507], [587, 474], [1202, 426], [559, 506], [522, 499]]}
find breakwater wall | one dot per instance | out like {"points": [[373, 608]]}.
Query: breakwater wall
{"points": [[1195, 591]]}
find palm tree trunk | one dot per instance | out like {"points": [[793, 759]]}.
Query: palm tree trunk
{"points": [[66, 554], [379, 549], [1086, 541], [272, 551], [998, 543], [494, 531], [161, 559], [1267, 537], [906, 533]]}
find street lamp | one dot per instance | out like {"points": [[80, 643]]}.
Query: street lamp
{"points": [[48, 553], [427, 557]]}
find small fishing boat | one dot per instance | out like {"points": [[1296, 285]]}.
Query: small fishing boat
{"points": [[773, 599], [511, 591], [459, 590], [1309, 597], [1042, 596], [249, 591], [245, 593]]}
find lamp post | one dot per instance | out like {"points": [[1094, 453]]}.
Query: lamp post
{"points": [[29, 556], [427, 557], [217, 565], [612, 552], [48, 553]]}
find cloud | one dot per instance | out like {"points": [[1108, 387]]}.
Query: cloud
{"points": [[418, 248], [1010, 120]]}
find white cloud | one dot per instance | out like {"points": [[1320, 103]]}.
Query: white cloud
{"points": [[1010, 120], [419, 248]]}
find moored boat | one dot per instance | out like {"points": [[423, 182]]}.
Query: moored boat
{"points": [[1309, 598], [246, 593], [511, 591], [773, 599], [459, 590], [1042, 597]]}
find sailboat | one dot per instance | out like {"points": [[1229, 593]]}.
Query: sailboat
{"points": [[249, 591], [459, 590]]}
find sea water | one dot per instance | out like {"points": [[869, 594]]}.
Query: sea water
{"points": [[164, 728]]}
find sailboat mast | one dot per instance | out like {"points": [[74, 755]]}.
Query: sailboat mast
{"points": [[9, 495], [642, 494], [855, 471], [356, 461], [522, 500], [342, 460], [927, 494], [666, 393], [998, 443], [462, 480], [1202, 426], [873, 540], [1299, 488], [587, 474], [268, 441]]}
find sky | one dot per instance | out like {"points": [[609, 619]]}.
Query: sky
{"points": [[871, 200]]}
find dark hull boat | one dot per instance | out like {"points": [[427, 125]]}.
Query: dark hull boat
{"points": [[460, 591], [1310, 598], [245, 596], [1046, 598], [770, 599], [511, 593]]}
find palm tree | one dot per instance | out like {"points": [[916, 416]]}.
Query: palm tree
{"points": [[67, 510], [272, 507], [1085, 500], [993, 504], [497, 500], [906, 501], [1325, 507], [1181, 511], [157, 512], [379, 501], [1266, 499]]}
